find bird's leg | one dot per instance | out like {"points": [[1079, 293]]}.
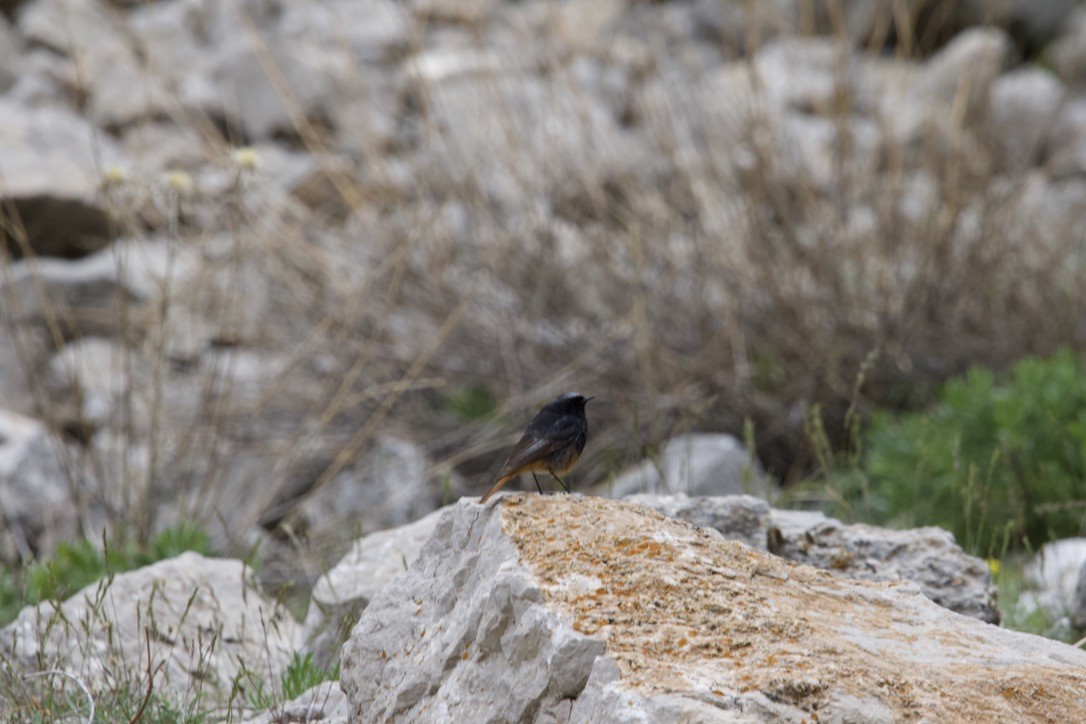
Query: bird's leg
{"points": [[560, 482], [537, 485]]}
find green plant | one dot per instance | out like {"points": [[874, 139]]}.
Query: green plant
{"points": [[81, 563], [1019, 610], [470, 403], [53, 696], [301, 675], [1001, 463]]}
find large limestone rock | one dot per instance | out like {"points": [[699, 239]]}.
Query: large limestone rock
{"points": [[584, 609], [342, 593], [203, 622]]}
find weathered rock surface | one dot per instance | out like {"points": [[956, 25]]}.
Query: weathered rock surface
{"points": [[695, 464], [585, 609], [202, 620], [342, 593], [928, 557]]}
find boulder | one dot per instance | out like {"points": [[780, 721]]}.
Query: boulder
{"points": [[1024, 105], [695, 464], [202, 621], [34, 487], [737, 517], [965, 69], [85, 295], [1077, 607], [377, 32], [1053, 579], [52, 163], [565, 608], [103, 380], [342, 593], [928, 557], [1069, 51], [515, 135], [389, 486]]}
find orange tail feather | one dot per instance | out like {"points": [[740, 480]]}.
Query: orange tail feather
{"points": [[498, 485]]}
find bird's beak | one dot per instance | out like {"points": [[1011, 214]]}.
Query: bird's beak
{"points": [[589, 398]]}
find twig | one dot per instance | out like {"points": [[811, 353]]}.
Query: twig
{"points": [[80, 684]]}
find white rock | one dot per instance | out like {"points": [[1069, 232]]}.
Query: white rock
{"points": [[373, 561], [325, 703], [1054, 574], [1069, 51], [106, 380], [1024, 105], [969, 64], [389, 486], [344, 591], [204, 620], [928, 557], [52, 163], [88, 293], [1077, 606], [695, 464], [35, 492]]}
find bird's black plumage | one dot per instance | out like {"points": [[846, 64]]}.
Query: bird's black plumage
{"points": [[552, 442]]}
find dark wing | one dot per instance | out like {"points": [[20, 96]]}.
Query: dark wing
{"points": [[544, 438]]}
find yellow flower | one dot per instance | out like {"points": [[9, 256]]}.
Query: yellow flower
{"points": [[247, 158], [179, 181], [113, 176]]}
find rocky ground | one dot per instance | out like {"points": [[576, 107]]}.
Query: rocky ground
{"points": [[300, 271], [442, 616]]}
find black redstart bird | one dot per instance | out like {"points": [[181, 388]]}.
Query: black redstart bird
{"points": [[551, 444]]}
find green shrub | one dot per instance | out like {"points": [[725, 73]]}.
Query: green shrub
{"points": [[999, 463]]}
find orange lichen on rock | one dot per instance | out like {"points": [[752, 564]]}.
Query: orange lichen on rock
{"points": [[682, 610]]}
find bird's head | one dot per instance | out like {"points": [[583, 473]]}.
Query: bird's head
{"points": [[572, 403]]}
